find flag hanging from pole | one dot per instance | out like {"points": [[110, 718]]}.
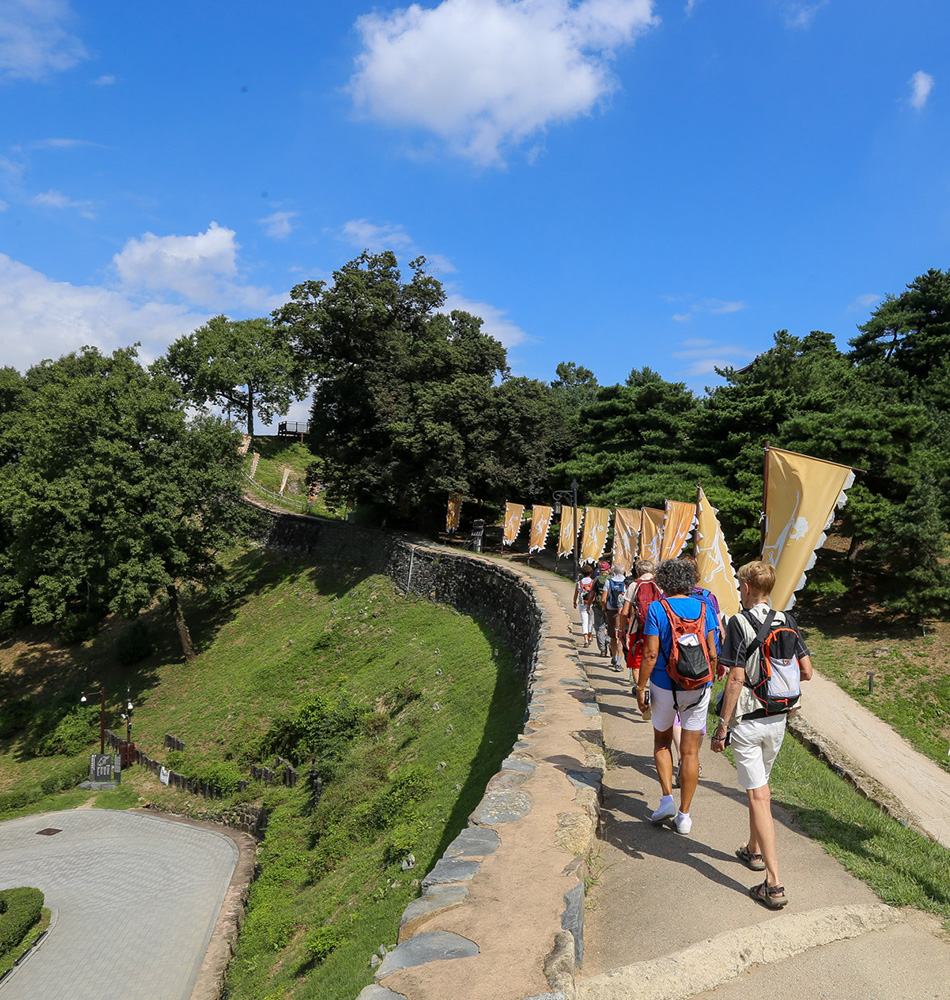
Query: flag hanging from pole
{"points": [[678, 521], [454, 513], [283, 480], [626, 536], [540, 525], [800, 501], [570, 526], [713, 561], [254, 461], [651, 533], [245, 444], [596, 522], [513, 514]]}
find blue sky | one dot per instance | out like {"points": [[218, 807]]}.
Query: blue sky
{"points": [[612, 182]]}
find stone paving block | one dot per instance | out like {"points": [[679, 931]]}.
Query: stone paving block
{"points": [[429, 946], [584, 779], [447, 871], [435, 899], [501, 807], [513, 764], [474, 841], [374, 992]]}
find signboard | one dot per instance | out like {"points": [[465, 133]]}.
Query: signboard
{"points": [[101, 767]]}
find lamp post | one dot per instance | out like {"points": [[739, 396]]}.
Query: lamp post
{"points": [[127, 715], [102, 718], [565, 496]]}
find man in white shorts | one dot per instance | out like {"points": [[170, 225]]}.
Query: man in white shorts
{"points": [[675, 578], [756, 735]]}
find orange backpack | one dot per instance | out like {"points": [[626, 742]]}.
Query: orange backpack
{"points": [[688, 663]]}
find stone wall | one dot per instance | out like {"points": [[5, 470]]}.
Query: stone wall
{"points": [[501, 915]]}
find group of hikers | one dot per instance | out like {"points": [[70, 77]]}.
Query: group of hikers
{"points": [[671, 635]]}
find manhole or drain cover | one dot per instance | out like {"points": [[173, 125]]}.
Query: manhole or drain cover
{"points": [[48, 832]]}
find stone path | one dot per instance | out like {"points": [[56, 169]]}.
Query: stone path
{"points": [[134, 899], [670, 916]]}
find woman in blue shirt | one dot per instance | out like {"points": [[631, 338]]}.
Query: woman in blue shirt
{"points": [[676, 578]]}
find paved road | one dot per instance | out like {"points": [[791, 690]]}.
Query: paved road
{"points": [[134, 901], [670, 917]]}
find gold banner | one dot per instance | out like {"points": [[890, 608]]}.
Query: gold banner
{"points": [[513, 514], [626, 536], [594, 541], [283, 481], [651, 533], [540, 525], [454, 513], [713, 561], [254, 461], [570, 526], [678, 521], [244, 445], [800, 504]]}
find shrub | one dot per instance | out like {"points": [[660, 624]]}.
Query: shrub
{"points": [[20, 909], [73, 733], [397, 802], [322, 942], [223, 776]]}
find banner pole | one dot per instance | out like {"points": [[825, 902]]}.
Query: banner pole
{"points": [[765, 500]]}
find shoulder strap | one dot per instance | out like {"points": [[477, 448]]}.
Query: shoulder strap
{"points": [[761, 632]]}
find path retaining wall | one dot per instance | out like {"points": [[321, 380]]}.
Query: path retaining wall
{"points": [[501, 915]]}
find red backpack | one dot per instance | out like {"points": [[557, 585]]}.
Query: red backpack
{"points": [[646, 593], [688, 663]]}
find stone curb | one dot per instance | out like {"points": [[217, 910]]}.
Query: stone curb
{"points": [[718, 960], [507, 799], [839, 762]]}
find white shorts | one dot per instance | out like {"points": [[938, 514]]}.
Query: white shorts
{"points": [[693, 706], [755, 745]]}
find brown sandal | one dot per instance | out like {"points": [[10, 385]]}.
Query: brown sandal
{"points": [[754, 862], [772, 895]]}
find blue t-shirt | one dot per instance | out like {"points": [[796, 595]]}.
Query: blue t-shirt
{"points": [[659, 625]]}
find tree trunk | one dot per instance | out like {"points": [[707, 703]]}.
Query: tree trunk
{"points": [[184, 635]]}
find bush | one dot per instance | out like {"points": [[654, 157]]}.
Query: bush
{"points": [[20, 909], [222, 776], [322, 942], [72, 734], [65, 776]]}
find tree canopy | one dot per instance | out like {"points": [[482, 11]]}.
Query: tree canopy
{"points": [[246, 365], [110, 497]]}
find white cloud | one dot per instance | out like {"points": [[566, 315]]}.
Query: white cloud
{"points": [[42, 318], [34, 41], [3, 206], [203, 269], [106, 80], [279, 225], [921, 84], [709, 307], [494, 321], [704, 356], [865, 301], [367, 236], [800, 15], [56, 199], [483, 74]]}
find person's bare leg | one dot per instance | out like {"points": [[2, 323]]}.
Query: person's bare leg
{"points": [[663, 759], [690, 743], [762, 831]]}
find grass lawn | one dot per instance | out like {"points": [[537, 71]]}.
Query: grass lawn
{"points": [[278, 454], [408, 706]]}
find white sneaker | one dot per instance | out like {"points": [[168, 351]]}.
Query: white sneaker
{"points": [[682, 824], [666, 810]]}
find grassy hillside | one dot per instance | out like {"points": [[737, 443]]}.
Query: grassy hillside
{"points": [[277, 454], [407, 707]]}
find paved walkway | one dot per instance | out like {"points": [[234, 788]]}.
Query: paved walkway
{"points": [[670, 916], [134, 899]]}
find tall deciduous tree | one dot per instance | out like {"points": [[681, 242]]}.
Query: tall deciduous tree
{"points": [[110, 497], [246, 365], [408, 401]]}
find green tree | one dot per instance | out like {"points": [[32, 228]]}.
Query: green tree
{"points": [[405, 398], [246, 365], [113, 497]]}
